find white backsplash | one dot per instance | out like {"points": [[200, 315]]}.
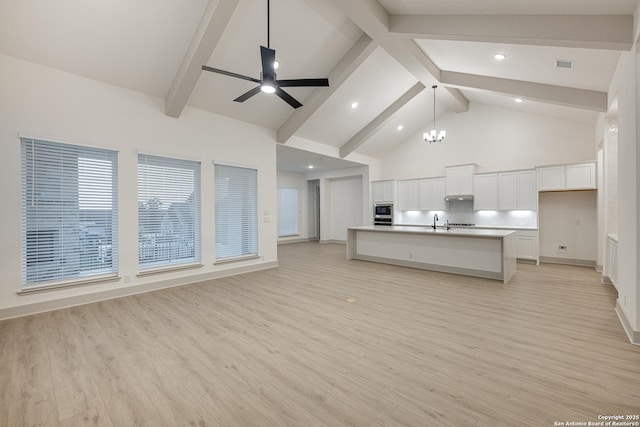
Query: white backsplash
{"points": [[462, 212]]}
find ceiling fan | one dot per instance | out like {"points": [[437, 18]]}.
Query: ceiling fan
{"points": [[268, 82]]}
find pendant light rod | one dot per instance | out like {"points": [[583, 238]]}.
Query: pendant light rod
{"points": [[268, 24], [434, 106], [433, 135]]}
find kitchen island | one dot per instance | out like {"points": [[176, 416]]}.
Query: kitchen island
{"points": [[471, 252]]}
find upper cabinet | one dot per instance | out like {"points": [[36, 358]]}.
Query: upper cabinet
{"points": [[421, 195], [485, 195], [459, 180], [551, 178], [581, 176], [505, 191], [517, 190], [431, 194], [408, 196], [527, 191], [383, 191], [508, 191]]}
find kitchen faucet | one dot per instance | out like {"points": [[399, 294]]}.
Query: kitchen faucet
{"points": [[435, 219]]}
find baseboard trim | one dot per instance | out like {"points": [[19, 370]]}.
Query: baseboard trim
{"points": [[299, 240], [527, 261], [339, 242], [66, 302], [633, 336], [606, 280], [433, 267], [568, 261]]}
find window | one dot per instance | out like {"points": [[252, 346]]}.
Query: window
{"points": [[288, 212], [168, 211], [236, 199], [69, 213]]}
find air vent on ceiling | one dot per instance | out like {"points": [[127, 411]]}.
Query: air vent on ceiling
{"points": [[564, 63]]}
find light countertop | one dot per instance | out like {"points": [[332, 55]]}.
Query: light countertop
{"points": [[481, 227], [466, 232]]}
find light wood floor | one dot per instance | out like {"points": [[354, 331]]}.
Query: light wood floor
{"points": [[285, 347]]}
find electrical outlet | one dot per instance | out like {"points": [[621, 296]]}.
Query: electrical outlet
{"points": [[562, 249], [127, 279]]}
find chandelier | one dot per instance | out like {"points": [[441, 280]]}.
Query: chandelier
{"points": [[433, 135]]}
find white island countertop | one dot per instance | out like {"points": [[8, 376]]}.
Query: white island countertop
{"points": [[466, 232], [487, 253]]}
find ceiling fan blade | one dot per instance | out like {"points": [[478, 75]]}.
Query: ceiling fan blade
{"points": [[256, 90], [268, 59], [229, 73], [288, 98], [303, 83]]}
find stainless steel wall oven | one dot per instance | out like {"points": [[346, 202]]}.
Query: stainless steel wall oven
{"points": [[383, 214]]}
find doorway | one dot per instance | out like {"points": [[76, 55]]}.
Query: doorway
{"points": [[314, 209]]}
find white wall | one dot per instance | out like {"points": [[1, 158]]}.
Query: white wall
{"points": [[494, 139], [345, 206], [44, 101], [299, 182], [360, 194], [624, 86], [569, 218]]}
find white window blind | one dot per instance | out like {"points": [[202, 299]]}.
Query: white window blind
{"points": [[288, 212], [69, 212], [168, 211], [236, 211]]}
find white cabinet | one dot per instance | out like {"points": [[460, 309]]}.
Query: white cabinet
{"points": [[383, 191], [505, 191], [517, 190], [551, 178], [581, 176], [459, 180], [431, 194], [527, 192], [526, 243], [485, 194], [508, 191], [408, 195], [421, 194]]}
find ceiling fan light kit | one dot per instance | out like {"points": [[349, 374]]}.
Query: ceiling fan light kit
{"points": [[268, 83], [433, 135]]}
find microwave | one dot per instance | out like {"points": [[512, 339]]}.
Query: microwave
{"points": [[383, 210], [383, 214]]}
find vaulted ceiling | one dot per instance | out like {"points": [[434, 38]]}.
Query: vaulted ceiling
{"points": [[383, 54]]}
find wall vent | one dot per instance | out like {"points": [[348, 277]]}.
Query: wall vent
{"points": [[565, 63]]}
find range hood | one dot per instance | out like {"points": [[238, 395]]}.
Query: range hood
{"points": [[459, 197]]}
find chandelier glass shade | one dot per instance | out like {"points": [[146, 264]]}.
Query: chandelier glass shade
{"points": [[433, 135]]}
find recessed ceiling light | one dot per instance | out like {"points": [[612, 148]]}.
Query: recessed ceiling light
{"points": [[354, 105], [310, 166], [565, 63], [518, 100], [499, 56], [400, 127]]}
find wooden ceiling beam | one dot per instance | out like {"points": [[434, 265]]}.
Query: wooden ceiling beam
{"points": [[210, 29], [613, 32]]}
